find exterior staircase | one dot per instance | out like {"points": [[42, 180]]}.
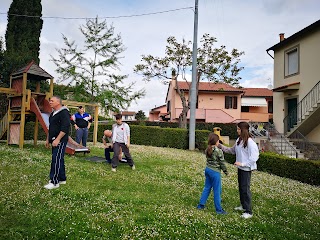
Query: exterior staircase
{"points": [[273, 141], [305, 117]]}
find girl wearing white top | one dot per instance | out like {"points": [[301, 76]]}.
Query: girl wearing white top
{"points": [[247, 154]]}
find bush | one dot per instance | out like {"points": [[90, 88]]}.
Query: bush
{"points": [[307, 171], [228, 129]]}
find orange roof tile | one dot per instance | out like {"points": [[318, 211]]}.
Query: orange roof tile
{"points": [[209, 86], [126, 113], [257, 92]]}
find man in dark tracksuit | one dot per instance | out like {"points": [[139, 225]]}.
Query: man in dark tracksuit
{"points": [[59, 124]]}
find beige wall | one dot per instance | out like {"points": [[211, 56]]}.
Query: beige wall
{"points": [[156, 115], [255, 117], [309, 72], [314, 135]]}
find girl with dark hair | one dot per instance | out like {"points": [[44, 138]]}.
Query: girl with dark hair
{"points": [[215, 163], [247, 155]]}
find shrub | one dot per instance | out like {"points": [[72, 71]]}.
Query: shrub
{"points": [[306, 171], [302, 170]]}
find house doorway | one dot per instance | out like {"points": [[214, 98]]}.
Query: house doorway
{"points": [[292, 112]]}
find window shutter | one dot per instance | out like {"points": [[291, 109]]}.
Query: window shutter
{"points": [[235, 102], [226, 102]]}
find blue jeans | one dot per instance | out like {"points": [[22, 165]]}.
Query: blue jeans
{"points": [[82, 136], [57, 171], [213, 181]]}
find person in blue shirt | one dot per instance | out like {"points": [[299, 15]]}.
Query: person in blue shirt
{"points": [[82, 122]]}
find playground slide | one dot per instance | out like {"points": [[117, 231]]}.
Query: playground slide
{"points": [[43, 117]]}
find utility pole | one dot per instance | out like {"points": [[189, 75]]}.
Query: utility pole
{"points": [[193, 90]]}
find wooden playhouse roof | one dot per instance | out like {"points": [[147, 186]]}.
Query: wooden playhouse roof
{"points": [[33, 69]]}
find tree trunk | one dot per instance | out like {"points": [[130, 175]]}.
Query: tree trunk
{"points": [[185, 109], [183, 117]]}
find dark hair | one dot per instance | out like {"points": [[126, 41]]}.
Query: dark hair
{"points": [[212, 140], [244, 134], [80, 107], [118, 116]]}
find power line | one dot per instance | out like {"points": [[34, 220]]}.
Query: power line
{"points": [[121, 16]]}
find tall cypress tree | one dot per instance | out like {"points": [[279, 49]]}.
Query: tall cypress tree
{"points": [[3, 99], [23, 34]]}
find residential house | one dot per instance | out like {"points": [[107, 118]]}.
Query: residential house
{"points": [[257, 104], [127, 116], [296, 93], [221, 103], [158, 113]]}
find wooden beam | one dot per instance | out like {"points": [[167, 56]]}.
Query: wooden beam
{"points": [[23, 110], [36, 131], [8, 91], [51, 88], [95, 125], [77, 104]]}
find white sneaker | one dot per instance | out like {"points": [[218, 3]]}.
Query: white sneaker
{"points": [[51, 186], [133, 167], [62, 182], [113, 169], [246, 215], [240, 208]]}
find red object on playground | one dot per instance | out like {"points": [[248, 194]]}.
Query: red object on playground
{"points": [[72, 146]]}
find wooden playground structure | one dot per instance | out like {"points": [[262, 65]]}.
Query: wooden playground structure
{"points": [[23, 102]]}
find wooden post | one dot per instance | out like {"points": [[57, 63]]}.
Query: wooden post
{"points": [[38, 87], [23, 110], [51, 87], [36, 124], [9, 116], [36, 130], [95, 126]]}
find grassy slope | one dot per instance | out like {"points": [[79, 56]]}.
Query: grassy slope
{"points": [[157, 201]]}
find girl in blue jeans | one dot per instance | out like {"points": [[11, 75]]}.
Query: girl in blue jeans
{"points": [[215, 163]]}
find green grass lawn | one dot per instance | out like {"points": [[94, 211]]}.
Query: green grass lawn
{"points": [[156, 201]]}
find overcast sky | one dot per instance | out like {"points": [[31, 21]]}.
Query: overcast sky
{"points": [[251, 26]]}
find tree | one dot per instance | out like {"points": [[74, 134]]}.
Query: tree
{"points": [[213, 64], [93, 68], [140, 116], [3, 99], [22, 35], [1, 61]]}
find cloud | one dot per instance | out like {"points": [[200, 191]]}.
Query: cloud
{"points": [[250, 26]]}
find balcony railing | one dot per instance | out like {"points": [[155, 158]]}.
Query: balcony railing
{"points": [[304, 106], [275, 141]]}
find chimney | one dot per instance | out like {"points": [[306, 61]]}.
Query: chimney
{"points": [[281, 37]]}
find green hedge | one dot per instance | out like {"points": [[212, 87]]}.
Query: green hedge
{"points": [[141, 135], [228, 129], [306, 171], [162, 137]]}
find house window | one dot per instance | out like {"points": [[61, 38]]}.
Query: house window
{"points": [[168, 106], [231, 102], [292, 61], [244, 108], [270, 106]]}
